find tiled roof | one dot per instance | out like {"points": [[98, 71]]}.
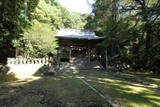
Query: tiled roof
{"points": [[77, 34]]}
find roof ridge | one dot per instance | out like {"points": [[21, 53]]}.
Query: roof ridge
{"points": [[74, 33]]}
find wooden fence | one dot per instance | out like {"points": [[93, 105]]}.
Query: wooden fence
{"points": [[24, 61]]}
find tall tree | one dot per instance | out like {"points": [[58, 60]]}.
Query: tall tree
{"points": [[131, 30], [12, 23]]}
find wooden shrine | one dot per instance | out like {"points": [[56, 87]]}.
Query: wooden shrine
{"points": [[77, 44]]}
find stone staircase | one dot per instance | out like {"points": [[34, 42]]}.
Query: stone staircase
{"points": [[79, 64]]}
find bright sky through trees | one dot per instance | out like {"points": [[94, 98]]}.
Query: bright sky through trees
{"points": [[81, 6]]}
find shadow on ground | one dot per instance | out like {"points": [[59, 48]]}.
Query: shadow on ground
{"points": [[127, 92], [66, 90], [4, 76], [49, 91]]}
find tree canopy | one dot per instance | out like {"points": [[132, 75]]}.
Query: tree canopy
{"points": [[22, 17], [12, 19], [131, 28], [131, 31]]}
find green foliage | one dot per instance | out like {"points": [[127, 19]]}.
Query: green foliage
{"points": [[39, 40], [52, 12], [7, 77], [91, 23], [48, 16], [133, 95], [32, 24], [11, 18], [78, 20], [131, 31]]}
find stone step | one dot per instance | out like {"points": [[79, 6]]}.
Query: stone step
{"points": [[80, 66]]}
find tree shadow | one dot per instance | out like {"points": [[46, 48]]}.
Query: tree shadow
{"points": [[5, 76], [49, 91], [4, 69], [121, 89], [41, 71]]}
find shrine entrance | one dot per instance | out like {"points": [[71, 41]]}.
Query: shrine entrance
{"points": [[77, 44]]}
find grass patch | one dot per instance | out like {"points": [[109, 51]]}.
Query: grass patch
{"points": [[61, 91], [31, 103], [7, 78], [142, 77], [72, 92], [126, 92], [66, 90]]}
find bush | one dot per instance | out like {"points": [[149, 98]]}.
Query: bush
{"points": [[4, 69], [7, 77]]}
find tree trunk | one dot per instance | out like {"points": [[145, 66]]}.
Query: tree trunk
{"points": [[106, 58], [148, 44]]}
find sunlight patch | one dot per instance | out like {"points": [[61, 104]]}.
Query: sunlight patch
{"points": [[137, 89], [107, 79]]}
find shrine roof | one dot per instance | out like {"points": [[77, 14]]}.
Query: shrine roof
{"points": [[77, 34]]}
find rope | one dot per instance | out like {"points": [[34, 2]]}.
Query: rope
{"points": [[112, 104]]}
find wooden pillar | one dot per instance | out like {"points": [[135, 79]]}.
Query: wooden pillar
{"points": [[106, 58], [58, 56], [89, 55], [70, 54], [17, 52]]}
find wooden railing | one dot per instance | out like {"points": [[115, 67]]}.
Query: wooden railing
{"points": [[24, 61]]}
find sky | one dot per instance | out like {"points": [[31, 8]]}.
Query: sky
{"points": [[77, 5]]}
